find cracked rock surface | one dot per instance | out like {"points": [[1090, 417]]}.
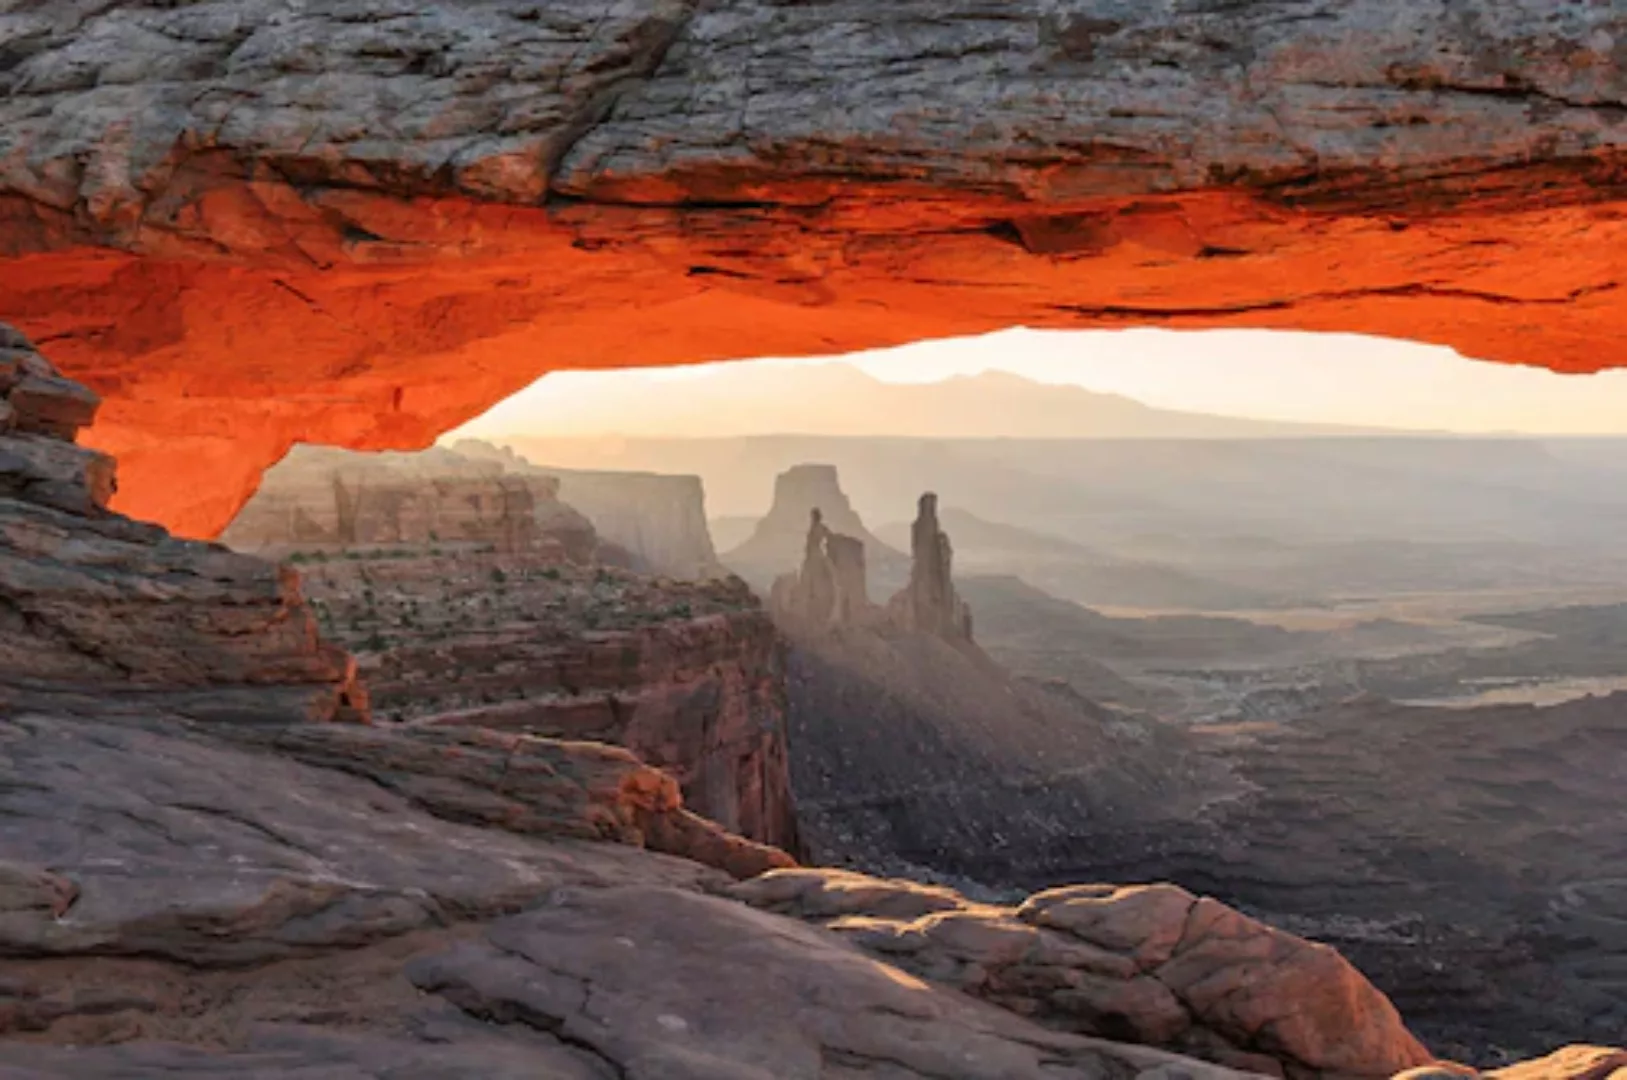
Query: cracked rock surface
{"points": [[1153, 964], [363, 221]]}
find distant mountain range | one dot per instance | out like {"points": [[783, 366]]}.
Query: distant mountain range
{"points": [[838, 399]]}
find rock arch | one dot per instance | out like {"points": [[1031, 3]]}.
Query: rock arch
{"points": [[249, 223]]}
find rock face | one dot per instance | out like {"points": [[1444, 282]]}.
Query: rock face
{"points": [[91, 600], [689, 676], [322, 499], [659, 519], [1154, 964], [359, 224], [789, 537], [929, 603], [830, 590], [187, 888]]}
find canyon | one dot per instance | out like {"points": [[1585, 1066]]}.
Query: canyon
{"points": [[247, 225], [362, 813], [285, 889], [473, 597], [1051, 751]]}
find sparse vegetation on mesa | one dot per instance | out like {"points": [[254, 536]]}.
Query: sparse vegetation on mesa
{"points": [[416, 618]]}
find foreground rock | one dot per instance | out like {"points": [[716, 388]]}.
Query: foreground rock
{"points": [[93, 601], [1153, 964], [1465, 859]]}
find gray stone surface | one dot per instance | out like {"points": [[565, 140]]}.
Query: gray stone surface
{"points": [[513, 99]]}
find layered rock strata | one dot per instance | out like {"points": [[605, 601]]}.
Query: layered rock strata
{"points": [[280, 222], [688, 675], [91, 601], [323, 499], [659, 518], [1153, 964]]}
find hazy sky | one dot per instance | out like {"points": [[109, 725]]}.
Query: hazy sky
{"points": [[1326, 378]]}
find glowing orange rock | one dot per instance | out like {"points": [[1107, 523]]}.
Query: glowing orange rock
{"points": [[247, 225]]}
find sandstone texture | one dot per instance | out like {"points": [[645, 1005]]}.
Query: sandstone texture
{"points": [[92, 600], [1153, 964], [688, 675], [248, 224]]}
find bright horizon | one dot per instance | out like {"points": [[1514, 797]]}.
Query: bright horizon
{"points": [[1341, 379]]}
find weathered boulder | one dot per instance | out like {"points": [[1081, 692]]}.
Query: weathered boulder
{"points": [[1569, 1063], [1153, 964], [686, 987]]}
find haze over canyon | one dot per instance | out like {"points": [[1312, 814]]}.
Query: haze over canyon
{"points": [[1184, 637]]}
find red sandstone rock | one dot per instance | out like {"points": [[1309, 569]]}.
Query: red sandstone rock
{"points": [[1154, 964], [230, 225], [1570, 1063], [531, 786], [688, 675], [93, 602]]}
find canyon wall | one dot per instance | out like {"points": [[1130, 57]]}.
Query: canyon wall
{"points": [[252, 224], [689, 676], [91, 601], [659, 518], [319, 498]]}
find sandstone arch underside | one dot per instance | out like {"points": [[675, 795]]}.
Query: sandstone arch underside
{"points": [[250, 222]]}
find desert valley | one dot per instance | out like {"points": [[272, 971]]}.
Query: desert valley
{"points": [[1386, 721]]}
